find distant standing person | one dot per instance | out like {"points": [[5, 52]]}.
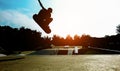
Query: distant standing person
{"points": [[76, 50], [43, 19]]}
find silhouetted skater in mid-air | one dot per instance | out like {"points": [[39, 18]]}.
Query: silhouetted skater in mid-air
{"points": [[43, 18]]}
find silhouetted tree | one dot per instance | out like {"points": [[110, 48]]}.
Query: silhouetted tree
{"points": [[76, 40], [56, 40], [69, 40], [85, 40], [13, 39], [118, 29]]}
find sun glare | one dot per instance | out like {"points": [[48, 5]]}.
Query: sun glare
{"points": [[96, 18], [70, 17]]}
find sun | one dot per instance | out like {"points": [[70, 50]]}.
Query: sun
{"points": [[70, 18]]}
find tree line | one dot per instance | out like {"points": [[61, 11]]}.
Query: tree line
{"points": [[20, 39], [15, 39]]}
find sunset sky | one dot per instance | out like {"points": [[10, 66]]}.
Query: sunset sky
{"points": [[94, 17]]}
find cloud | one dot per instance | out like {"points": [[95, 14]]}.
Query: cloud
{"points": [[17, 19]]}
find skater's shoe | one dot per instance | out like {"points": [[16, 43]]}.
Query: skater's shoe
{"points": [[43, 23]]}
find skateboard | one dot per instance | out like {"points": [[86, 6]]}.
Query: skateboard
{"points": [[43, 24]]}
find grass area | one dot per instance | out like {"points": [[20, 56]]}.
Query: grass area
{"points": [[63, 63], [11, 57], [27, 52]]}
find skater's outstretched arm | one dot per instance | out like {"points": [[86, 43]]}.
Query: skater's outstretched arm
{"points": [[41, 4]]}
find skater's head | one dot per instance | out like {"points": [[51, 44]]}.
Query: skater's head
{"points": [[50, 10]]}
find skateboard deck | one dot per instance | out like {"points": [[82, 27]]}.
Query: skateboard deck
{"points": [[42, 24]]}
